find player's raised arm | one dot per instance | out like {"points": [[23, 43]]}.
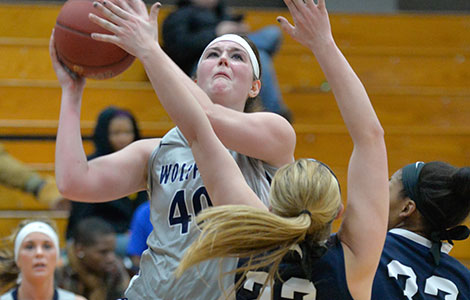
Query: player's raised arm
{"points": [[106, 178], [364, 226]]}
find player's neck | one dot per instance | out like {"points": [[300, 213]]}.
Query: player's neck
{"points": [[39, 290], [413, 223]]}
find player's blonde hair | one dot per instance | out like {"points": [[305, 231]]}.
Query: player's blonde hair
{"points": [[305, 199]]}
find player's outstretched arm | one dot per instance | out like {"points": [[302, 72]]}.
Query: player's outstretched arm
{"points": [[106, 178], [364, 225]]}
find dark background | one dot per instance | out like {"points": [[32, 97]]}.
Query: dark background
{"points": [[435, 5]]}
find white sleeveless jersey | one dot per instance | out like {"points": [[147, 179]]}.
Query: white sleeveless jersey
{"points": [[177, 194]]}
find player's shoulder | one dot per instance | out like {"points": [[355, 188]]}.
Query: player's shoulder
{"points": [[455, 266], [146, 145], [148, 141]]}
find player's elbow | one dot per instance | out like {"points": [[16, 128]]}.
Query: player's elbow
{"points": [[213, 112], [64, 189], [377, 132], [373, 134], [67, 187]]}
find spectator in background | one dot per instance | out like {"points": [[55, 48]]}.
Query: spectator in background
{"points": [[141, 227], [28, 262], [93, 269], [195, 23], [115, 129], [15, 174]]}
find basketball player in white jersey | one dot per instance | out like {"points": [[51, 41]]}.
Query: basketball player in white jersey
{"points": [[259, 142]]}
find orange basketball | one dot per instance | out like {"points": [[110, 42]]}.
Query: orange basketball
{"points": [[78, 51]]}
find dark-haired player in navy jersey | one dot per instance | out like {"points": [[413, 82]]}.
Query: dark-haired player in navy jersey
{"points": [[428, 202]]}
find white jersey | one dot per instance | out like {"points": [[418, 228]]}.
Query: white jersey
{"points": [[59, 294], [177, 194]]}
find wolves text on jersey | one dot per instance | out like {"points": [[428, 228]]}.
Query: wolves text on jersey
{"points": [[178, 172]]}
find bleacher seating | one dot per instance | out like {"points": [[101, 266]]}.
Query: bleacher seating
{"points": [[9, 219], [415, 71]]}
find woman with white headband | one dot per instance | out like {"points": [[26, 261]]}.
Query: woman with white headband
{"points": [[227, 77], [28, 270]]}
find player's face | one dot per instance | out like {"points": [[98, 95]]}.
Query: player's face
{"points": [[226, 74], [396, 199], [120, 132], [37, 257]]}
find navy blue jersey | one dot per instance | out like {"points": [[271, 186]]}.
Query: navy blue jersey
{"points": [[407, 271], [329, 278]]}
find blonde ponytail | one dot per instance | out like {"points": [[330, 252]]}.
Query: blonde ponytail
{"points": [[243, 231], [305, 199]]}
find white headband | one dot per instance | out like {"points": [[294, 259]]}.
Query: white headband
{"points": [[35, 227], [242, 42]]}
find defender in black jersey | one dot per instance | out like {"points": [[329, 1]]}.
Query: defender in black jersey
{"points": [[326, 281], [304, 199]]}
